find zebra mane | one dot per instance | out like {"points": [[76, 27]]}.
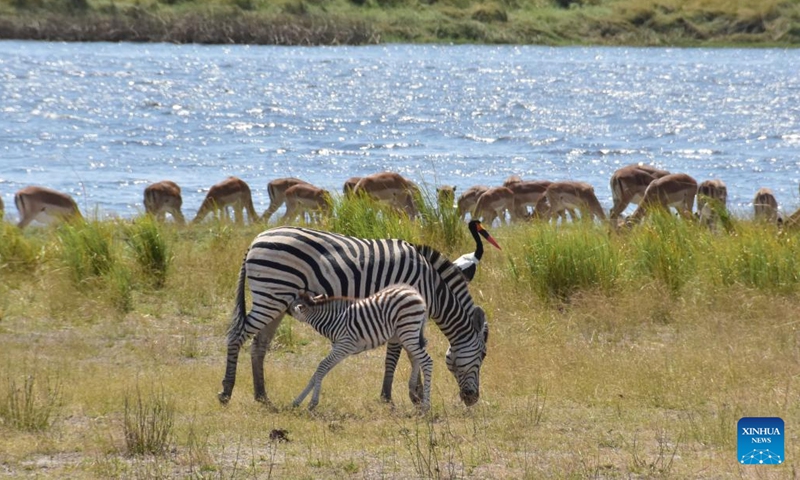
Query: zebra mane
{"points": [[446, 269]]}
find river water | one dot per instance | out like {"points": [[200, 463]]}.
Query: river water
{"points": [[102, 120]]}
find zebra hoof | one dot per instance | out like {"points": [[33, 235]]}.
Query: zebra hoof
{"points": [[223, 398]]}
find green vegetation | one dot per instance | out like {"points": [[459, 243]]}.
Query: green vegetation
{"points": [[356, 22], [612, 354]]}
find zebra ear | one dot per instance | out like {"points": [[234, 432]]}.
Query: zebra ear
{"points": [[479, 321]]}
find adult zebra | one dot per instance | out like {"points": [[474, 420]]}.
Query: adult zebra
{"points": [[282, 262]]}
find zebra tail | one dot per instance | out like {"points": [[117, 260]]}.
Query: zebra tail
{"points": [[422, 342], [236, 330]]}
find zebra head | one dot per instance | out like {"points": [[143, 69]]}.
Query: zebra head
{"points": [[465, 361], [300, 309]]}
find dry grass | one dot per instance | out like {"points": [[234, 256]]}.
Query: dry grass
{"points": [[637, 381]]}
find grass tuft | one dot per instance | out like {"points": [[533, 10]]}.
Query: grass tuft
{"points": [[32, 402], [150, 249], [87, 249], [148, 423]]}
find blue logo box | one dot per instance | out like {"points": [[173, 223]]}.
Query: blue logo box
{"points": [[760, 441]]}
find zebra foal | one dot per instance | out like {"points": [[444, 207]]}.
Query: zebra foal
{"points": [[356, 325]]}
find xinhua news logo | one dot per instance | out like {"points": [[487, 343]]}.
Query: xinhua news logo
{"points": [[760, 441]]}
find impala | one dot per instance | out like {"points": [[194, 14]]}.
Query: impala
{"points": [[276, 189], [304, 198], [446, 197], [712, 198], [164, 197], [674, 190], [511, 180], [231, 192], [44, 204], [494, 203], [526, 194], [468, 200], [563, 197], [390, 188], [765, 206], [794, 219], [350, 185], [628, 185]]}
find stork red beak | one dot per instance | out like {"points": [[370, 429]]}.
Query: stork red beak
{"points": [[488, 237]]}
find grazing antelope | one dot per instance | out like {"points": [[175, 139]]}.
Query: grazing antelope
{"points": [[712, 199], [231, 192], [563, 197], [674, 190], [276, 189], [511, 180], [304, 198], [44, 204], [526, 194], [446, 197], [468, 200], [164, 197], [396, 313], [765, 206], [350, 185], [494, 203], [390, 188], [794, 219], [628, 185]]}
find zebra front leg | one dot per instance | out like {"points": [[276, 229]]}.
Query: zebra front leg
{"points": [[393, 350], [337, 355], [258, 351]]}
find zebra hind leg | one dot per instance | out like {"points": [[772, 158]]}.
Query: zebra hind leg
{"points": [[338, 354], [420, 361], [258, 351], [393, 350]]}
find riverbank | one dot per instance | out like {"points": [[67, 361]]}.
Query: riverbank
{"points": [[359, 22]]}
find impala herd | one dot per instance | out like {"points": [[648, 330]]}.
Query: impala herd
{"points": [[645, 186]]}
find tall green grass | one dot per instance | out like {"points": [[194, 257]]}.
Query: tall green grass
{"points": [[561, 260], [150, 249], [17, 253], [558, 261], [88, 248]]}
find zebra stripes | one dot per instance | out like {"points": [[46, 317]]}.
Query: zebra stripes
{"points": [[282, 262], [354, 326]]}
